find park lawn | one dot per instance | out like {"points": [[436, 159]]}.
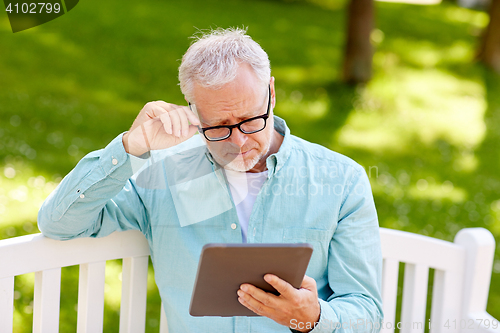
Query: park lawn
{"points": [[425, 128]]}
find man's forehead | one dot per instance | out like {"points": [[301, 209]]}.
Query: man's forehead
{"points": [[219, 107], [221, 116], [245, 84]]}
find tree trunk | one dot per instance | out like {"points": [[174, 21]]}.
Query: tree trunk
{"points": [[489, 53], [358, 50]]}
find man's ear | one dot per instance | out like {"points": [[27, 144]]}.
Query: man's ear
{"points": [[273, 92]]}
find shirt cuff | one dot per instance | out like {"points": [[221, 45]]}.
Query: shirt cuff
{"points": [[138, 162], [328, 320], [115, 161], [324, 325]]}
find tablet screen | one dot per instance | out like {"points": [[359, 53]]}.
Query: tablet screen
{"points": [[224, 267]]}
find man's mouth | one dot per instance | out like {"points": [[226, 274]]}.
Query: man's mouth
{"points": [[241, 153]]}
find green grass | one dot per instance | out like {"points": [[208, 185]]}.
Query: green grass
{"points": [[426, 127]]}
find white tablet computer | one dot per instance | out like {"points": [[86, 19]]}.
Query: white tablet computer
{"points": [[224, 267]]}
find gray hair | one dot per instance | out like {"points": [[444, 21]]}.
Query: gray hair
{"points": [[213, 60]]}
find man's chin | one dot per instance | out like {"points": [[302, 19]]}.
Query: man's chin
{"points": [[240, 163]]}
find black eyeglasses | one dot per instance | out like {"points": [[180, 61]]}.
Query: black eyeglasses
{"points": [[248, 126]]}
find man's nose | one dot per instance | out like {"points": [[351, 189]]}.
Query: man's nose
{"points": [[238, 138]]}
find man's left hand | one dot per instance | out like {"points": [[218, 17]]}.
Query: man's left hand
{"points": [[292, 306]]}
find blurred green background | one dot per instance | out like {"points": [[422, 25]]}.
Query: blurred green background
{"points": [[426, 127]]}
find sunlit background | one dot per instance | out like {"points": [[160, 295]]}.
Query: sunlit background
{"points": [[426, 127]]}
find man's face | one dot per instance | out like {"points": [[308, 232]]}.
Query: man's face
{"points": [[244, 98]]}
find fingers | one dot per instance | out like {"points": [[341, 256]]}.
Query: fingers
{"points": [[191, 116], [176, 123], [183, 123], [192, 130], [283, 287], [175, 118], [167, 124], [253, 305], [153, 110], [256, 299], [299, 304], [160, 125]]}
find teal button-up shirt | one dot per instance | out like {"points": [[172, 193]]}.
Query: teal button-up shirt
{"points": [[180, 201]]}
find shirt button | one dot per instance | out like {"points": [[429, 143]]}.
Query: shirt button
{"points": [[114, 161], [82, 196], [233, 226]]}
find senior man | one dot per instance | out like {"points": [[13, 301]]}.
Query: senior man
{"points": [[243, 178]]}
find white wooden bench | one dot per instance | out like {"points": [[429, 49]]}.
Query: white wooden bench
{"points": [[460, 287]]}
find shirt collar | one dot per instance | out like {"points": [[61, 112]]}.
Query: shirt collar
{"points": [[276, 161]]}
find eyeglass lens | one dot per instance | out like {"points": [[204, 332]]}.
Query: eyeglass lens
{"points": [[247, 127]]}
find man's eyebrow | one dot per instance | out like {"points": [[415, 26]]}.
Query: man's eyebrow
{"points": [[247, 115], [222, 121]]}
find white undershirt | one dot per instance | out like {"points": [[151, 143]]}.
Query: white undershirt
{"points": [[245, 187]]}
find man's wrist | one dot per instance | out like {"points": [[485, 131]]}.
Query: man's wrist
{"points": [[308, 326], [132, 150]]}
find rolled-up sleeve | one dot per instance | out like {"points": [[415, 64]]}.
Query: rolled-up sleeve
{"points": [[354, 265], [96, 198]]}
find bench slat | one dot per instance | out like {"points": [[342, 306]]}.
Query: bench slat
{"points": [[390, 272], [46, 301], [134, 294], [163, 320], [91, 297], [6, 304], [446, 301], [416, 278]]}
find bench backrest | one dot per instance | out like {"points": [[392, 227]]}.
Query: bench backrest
{"points": [[462, 273], [460, 289]]}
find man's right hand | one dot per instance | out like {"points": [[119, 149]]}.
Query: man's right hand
{"points": [[160, 125]]}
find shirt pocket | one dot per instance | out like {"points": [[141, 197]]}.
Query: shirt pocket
{"points": [[320, 240]]}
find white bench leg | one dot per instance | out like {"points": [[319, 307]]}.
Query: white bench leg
{"points": [[134, 295], [91, 298], [47, 301], [6, 303]]}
